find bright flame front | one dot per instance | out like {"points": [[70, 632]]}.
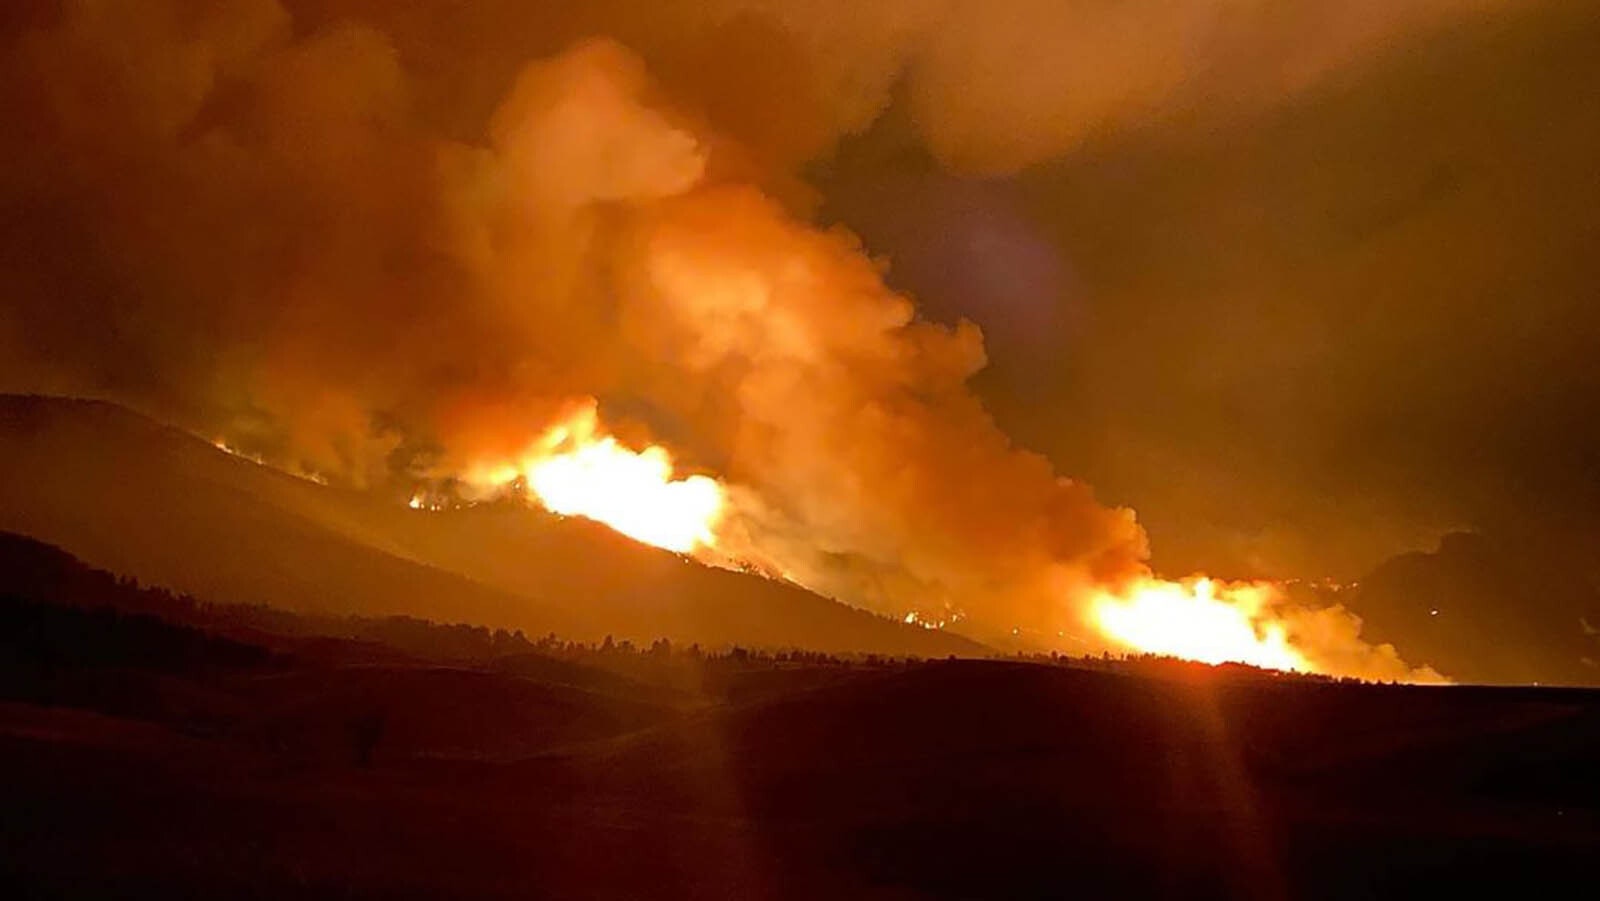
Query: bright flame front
{"points": [[1199, 619], [574, 469]]}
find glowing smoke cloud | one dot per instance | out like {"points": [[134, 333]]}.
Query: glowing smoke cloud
{"points": [[364, 244]]}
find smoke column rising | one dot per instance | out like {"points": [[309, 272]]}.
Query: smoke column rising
{"points": [[373, 238]]}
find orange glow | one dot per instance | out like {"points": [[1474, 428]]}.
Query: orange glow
{"points": [[575, 469], [222, 444], [1199, 619], [930, 622]]}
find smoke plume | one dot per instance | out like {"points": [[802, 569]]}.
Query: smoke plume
{"points": [[379, 239]]}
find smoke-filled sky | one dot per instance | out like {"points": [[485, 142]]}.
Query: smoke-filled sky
{"points": [[1305, 284], [1297, 330]]}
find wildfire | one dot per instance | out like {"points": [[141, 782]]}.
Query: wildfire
{"points": [[298, 472], [1199, 619], [930, 622], [222, 444], [423, 501], [574, 469]]}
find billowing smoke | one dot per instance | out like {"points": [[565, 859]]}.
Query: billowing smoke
{"points": [[379, 239]]}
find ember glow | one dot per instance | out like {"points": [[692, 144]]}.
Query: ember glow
{"points": [[222, 444], [931, 622], [575, 469], [1199, 619]]}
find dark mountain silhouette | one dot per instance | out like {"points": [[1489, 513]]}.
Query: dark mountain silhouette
{"points": [[160, 745], [151, 502], [1486, 610], [932, 780]]}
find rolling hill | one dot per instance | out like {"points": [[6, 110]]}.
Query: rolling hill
{"points": [[144, 500], [317, 776], [157, 746]]}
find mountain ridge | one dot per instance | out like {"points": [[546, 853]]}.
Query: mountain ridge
{"points": [[126, 493]]}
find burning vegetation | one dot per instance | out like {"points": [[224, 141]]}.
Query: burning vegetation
{"points": [[574, 469], [595, 290]]}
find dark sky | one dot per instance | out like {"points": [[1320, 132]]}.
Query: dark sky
{"points": [[1303, 335]]}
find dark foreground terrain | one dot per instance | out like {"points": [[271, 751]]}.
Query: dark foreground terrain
{"points": [[151, 746]]}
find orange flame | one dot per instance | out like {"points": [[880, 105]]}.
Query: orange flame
{"points": [[574, 469], [1199, 619]]}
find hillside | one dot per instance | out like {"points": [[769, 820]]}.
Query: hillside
{"points": [[140, 499], [1486, 610], [313, 773]]}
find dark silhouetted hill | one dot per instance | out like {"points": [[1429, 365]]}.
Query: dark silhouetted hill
{"points": [[1486, 610], [303, 687], [158, 745], [150, 502], [964, 779]]}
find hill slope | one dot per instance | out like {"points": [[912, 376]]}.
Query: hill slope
{"points": [[1486, 610], [151, 756], [137, 498], [969, 779]]}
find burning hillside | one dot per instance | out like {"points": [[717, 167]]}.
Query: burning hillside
{"points": [[599, 296], [575, 469]]}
